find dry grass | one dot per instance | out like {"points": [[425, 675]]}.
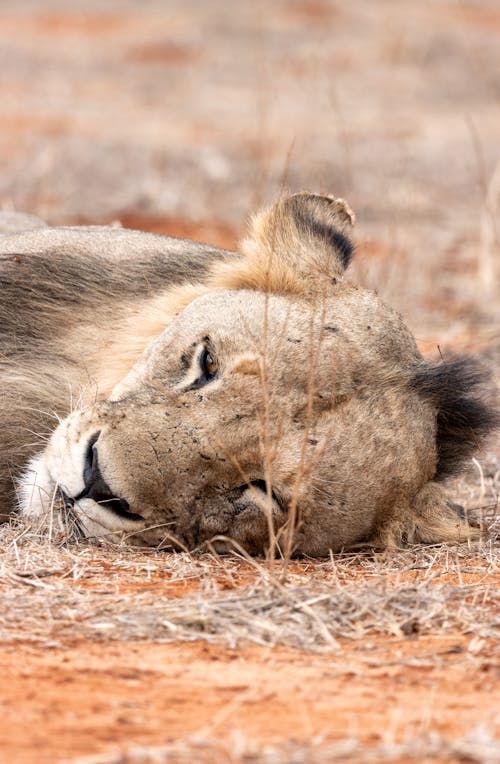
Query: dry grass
{"points": [[477, 747], [307, 616], [78, 590]]}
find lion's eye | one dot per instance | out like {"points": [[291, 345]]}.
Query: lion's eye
{"points": [[208, 364], [205, 366]]}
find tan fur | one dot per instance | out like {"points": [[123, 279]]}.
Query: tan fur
{"points": [[270, 265], [126, 341], [430, 519], [279, 257], [315, 385]]}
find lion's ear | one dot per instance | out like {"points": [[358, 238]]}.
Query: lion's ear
{"points": [[300, 243]]}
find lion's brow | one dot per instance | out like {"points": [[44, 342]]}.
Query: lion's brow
{"points": [[247, 365]]}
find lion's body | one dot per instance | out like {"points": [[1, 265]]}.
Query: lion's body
{"points": [[320, 416]]}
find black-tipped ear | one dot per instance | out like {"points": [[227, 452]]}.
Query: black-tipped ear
{"points": [[299, 242], [324, 222]]}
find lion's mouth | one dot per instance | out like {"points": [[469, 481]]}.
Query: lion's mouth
{"points": [[119, 507], [261, 487], [97, 489]]}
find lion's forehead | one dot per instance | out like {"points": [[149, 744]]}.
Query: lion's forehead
{"points": [[244, 320], [352, 333], [243, 312]]}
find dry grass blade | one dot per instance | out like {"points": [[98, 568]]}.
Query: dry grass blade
{"points": [[416, 591], [477, 748]]}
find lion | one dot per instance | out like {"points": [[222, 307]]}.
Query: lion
{"points": [[171, 394]]}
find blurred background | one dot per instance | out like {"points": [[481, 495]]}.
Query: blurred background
{"points": [[183, 116]]}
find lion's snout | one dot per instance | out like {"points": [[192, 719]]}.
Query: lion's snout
{"points": [[96, 487], [151, 476]]}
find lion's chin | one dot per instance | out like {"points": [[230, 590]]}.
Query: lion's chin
{"points": [[36, 491], [97, 521]]}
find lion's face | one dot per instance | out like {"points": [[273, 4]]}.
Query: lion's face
{"points": [[178, 452], [242, 390], [283, 403]]}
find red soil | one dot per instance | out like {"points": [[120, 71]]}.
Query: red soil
{"points": [[92, 698]]}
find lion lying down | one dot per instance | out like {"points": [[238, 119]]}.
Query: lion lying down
{"points": [[211, 394]]}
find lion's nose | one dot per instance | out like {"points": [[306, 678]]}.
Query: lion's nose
{"points": [[91, 465], [95, 487]]}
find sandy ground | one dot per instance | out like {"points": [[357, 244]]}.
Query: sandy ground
{"points": [[116, 656], [182, 117], [110, 698]]}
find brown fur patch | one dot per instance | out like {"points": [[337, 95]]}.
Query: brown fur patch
{"points": [[248, 366]]}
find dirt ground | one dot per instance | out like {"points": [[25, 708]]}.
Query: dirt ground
{"points": [[118, 656], [182, 117], [90, 697]]}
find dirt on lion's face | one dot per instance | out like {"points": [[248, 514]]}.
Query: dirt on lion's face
{"points": [[299, 407]]}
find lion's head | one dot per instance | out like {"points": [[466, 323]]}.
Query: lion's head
{"points": [[279, 400]]}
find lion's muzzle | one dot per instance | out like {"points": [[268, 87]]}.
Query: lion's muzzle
{"points": [[96, 488]]}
